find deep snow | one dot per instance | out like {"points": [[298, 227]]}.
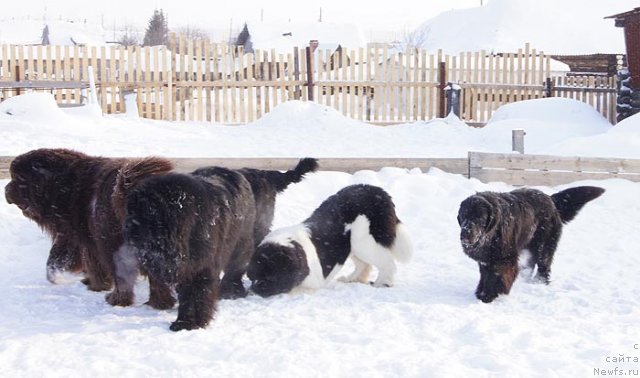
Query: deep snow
{"points": [[567, 27], [428, 325]]}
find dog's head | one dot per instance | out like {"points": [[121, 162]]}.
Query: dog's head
{"points": [[277, 268], [37, 184], [476, 218]]}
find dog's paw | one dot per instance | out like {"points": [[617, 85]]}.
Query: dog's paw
{"points": [[349, 279], [180, 325], [538, 279], [119, 299], [95, 285], [232, 290], [380, 284], [161, 303]]}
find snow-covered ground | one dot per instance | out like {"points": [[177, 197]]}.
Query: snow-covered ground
{"points": [[428, 325]]}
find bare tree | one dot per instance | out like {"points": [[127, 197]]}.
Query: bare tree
{"points": [[417, 38], [193, 33], [130, 36]]}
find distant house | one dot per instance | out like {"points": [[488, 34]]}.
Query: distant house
{"points": [[629, 92], [630, 21], [591, 64], [51, 32], [283, 37]]}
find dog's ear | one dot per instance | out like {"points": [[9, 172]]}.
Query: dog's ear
{"points": [[37, 167], [493, 216]]}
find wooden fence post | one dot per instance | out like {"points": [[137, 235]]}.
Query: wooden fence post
{"points": [[297, 92], [453, 92], [442, 78], [548, 87], [18, 91], [309, 84], [517, 140]]}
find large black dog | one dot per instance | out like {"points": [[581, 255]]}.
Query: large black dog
{"points": [[186, 229], [496, 227], [69, 195], [358, 222]]}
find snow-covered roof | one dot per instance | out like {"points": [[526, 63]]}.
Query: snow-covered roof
{"points": [[29, 32], [283, 37], [555, 27]]}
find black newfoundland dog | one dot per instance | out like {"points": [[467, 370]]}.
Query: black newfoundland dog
{"points": [[69, 195], [358, 222], [496, 227], [186, 229]]}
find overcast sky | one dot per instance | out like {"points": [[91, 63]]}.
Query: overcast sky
{"points": [[395, 15]]}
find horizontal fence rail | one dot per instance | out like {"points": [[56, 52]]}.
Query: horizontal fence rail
{"points": [[513, 169], [517, 169], [202, 81]]}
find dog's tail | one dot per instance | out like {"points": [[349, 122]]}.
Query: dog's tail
{"points": [[402, 248], [280, 180], [570, 201], [130, 174], [283, 179]]}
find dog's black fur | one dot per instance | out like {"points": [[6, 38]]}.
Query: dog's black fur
{"points": [[358, 222], [69, 195], [496, 227], [266, 184], [185, 229]]}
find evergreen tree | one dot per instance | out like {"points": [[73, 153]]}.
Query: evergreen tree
{"points": [[45, 36], [157, 32], [243, 36], [244, 39]]}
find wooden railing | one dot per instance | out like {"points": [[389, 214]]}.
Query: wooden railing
{"points": [[513, 169]]}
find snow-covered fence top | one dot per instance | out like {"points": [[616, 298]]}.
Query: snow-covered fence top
{"points": [[513, 169]]}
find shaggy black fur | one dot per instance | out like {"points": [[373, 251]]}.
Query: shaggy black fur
{"points": [[266, 184], [496, 227], [69, 195], [330, 235], [185, 229]]}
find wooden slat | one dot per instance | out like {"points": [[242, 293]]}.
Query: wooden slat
{"points": [[352, 88], [349, 165], [407, 90], [546, 178], [360, 77], [157, 84], [225, 69], [557, 163], [250, 92], [392, 90], [199, 59]]}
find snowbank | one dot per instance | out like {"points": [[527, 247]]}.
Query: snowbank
{"points": [[296, 128], [506, 25]]}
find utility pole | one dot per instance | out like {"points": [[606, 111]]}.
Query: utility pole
{"points": [[320, 19]]}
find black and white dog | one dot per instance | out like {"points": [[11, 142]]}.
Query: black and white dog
{"points": [[358, 222]]}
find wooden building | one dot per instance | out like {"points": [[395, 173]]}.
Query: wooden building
{"points": [[630, 21]]}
